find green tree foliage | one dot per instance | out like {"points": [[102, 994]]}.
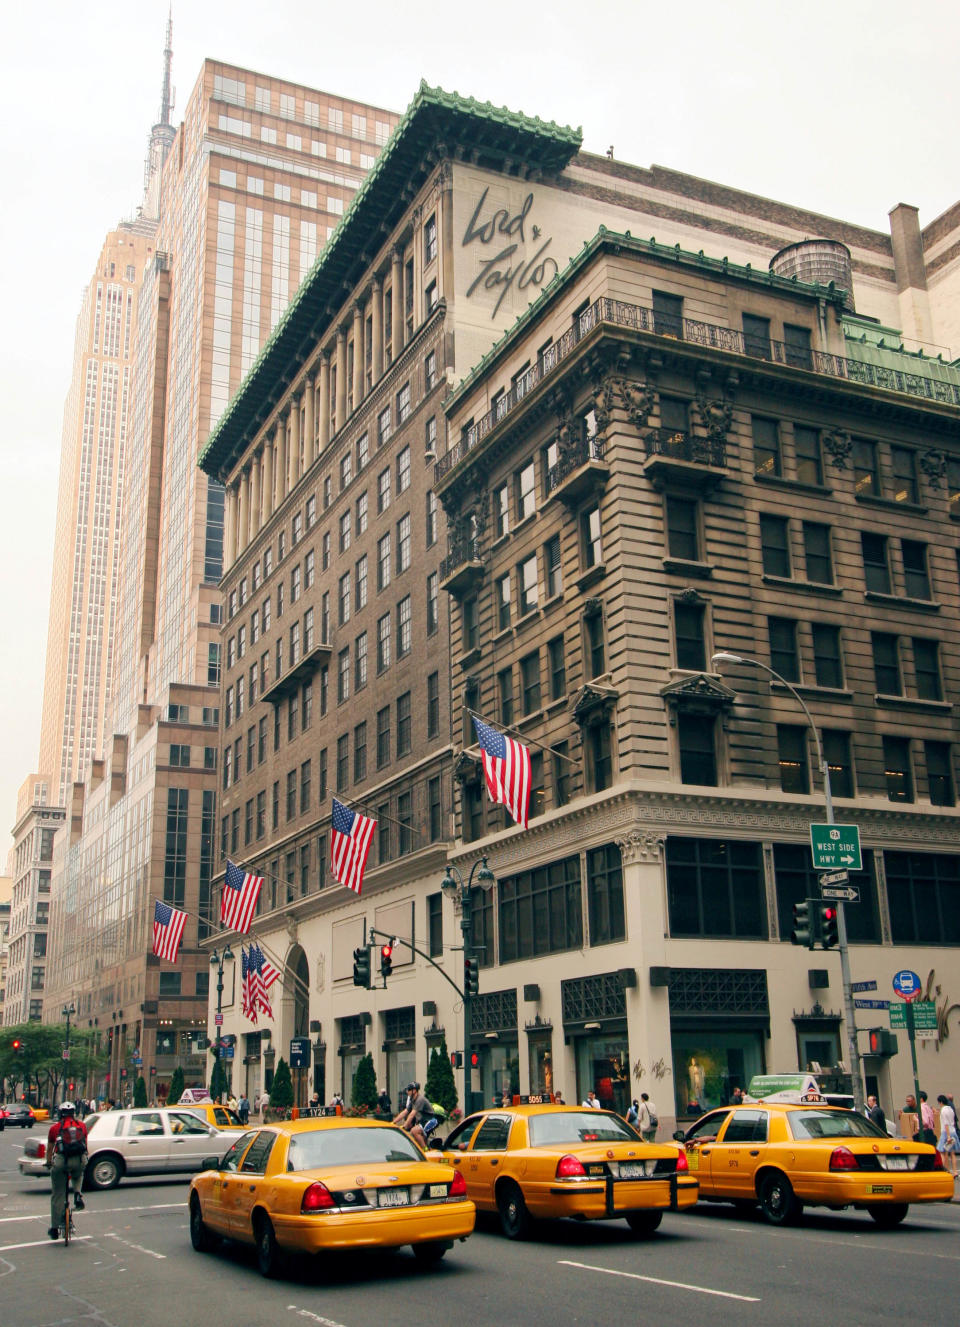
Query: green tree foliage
{"points": [[176, 1087], [440, 1086], [38, 1070], [364, 1090], [139, 1091], [281, 1090]]}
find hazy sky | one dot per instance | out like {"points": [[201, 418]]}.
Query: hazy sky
{"points": [[847, 107]]}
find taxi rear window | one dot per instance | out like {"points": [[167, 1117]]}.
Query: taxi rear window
{"points": [[579, 1127], [343, 1147], [831, 1124]]}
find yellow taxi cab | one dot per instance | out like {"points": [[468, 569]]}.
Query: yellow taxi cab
{"points": [[329, 1183], [221, 1117], [533, 1161], [783, 1155]]}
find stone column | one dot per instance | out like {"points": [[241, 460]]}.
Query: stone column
{"points": [[266, 479], [255, 519], [309, 425], [445, 284], [376, 310], [244, 511], [230, 526], [280, 462], [293, 444], [417, 268], [357, 354], [324, 405], [396, 326], [341, 410]]}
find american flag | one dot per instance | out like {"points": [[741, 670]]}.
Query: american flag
{"points": [[262, 976], [506, 765], [269, 974], [247, 1004], [352, 836], [239, 898], [168, 924]]}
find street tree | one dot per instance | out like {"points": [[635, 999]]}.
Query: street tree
{"points": [[440, 1086], [281, 1089], [139, 1091], [175, 1091], [364, 1089]]}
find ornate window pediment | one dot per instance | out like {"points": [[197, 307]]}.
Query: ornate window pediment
{"points": [[466, 768], [594, 703], [698, 694]]}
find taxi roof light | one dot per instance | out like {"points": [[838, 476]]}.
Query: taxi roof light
{"points": [[317, 1198], [570, 1167], [458, 1185], [841, 1158]]}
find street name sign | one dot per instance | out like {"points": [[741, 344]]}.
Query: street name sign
{"points": [[863, 986], [836, 848], [842, 893], [871, 1004], [924, 1015]]}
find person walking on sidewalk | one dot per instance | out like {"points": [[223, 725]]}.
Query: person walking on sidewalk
{"points": [[949, 1143]]}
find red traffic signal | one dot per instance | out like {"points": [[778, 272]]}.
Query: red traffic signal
{"points": [[386, 960], [829, 935], [16, 1044], [474, 1059]]}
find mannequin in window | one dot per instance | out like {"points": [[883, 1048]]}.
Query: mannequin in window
{"points": [[695, 1077]]}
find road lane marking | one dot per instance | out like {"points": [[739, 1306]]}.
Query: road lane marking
{"points": [[659, 1281], [314, 1317], [130, 1245], [39, 1243], [38, 1217]]}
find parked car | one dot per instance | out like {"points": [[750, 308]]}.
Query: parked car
{"points": [[135, 1142], [323, 1185], [17, 1114]]}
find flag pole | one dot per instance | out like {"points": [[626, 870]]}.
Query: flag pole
{"points": [[521, 737]]}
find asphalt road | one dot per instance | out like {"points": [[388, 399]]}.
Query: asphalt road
{"points": [[132, 1265]]}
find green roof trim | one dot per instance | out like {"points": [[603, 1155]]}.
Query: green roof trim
{"points": [[673, 253], [434, 124]]}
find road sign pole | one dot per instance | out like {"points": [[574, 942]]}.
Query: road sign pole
{"points": [[911, 1033]]}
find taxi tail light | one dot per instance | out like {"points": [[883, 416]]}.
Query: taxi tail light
{"points": [[937, 1159], [317, 1199], [682, 1162], [570, 1167], [42, 1151], [841, 1158], [458, 1185]]}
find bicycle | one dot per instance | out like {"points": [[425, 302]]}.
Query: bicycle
{"points": [[67, 1226]]}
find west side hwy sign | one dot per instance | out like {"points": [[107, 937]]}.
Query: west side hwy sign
{"points": [[836, 847]]}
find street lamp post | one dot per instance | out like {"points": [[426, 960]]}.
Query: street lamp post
{"points": [[67, 1012], [458, 889], [849, 1014], [217, 960]]}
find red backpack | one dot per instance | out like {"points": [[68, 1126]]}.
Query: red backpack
{"points": [[71, 1139]]}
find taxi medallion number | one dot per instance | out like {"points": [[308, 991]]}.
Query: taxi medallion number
{"points": [[393, 1198], [693, 1160]]}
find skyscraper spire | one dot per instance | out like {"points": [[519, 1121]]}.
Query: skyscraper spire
{"points": [[161, 135]]}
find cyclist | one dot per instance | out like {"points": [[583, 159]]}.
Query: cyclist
{"points": [[66, 1160]]}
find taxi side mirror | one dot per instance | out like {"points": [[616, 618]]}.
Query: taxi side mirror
{"points": [[680, 1136], [210, 1163]]}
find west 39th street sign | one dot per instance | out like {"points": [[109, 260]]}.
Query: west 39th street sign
{"points": [[836, 848]]}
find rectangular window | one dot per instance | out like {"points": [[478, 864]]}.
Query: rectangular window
{"points": [[501, 510], [876, 568], [540, 911], [797, 346], [309, 570], [405, 819], [605, 910], [784, 658], [343, 676], [433, 603], [305, 787], [926, 668], [792, 756], [866, 476], [308, 631], [359, 752], [505, 693], [715, 888], [343, 598], [923, 890], [756, 336], [818, 553], [311, 511], [688, 619], [667, 314], [552, 567], [403, 470], [433, 704], [325, 551], [916, 578], [275, 804], [596, 659], [430, 371], [530, 682], [430, 240], [503, 602], [343, 762], [527, 585], [430, 437], [897, 769], [403, 543], [903, 462], [383, 562], [683, 536], [468, 623], [346, 470], [403, 406], [526, 492], [291, 794], [558, 668], [940, 784], [383, 491], [404, 627], [797, 880], [431, 521], [434, 925], [344, 527], [404, 725], [836, 752], [383, 643], [775, 545], [360, 662], [886, 663], [827, 657], [696, 738], [591, 544], [383, 737], [806, 444], [766, 446], [383, 832], [384, 426], [561, 773]]}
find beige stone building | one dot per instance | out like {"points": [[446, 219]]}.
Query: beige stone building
{"points": [[31, 859], [6, 895], [504, 457], [251, 185]]}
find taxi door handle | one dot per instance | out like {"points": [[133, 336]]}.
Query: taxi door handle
{"points": [[705, 1151], [754, 1151], [456, 1161], [494, 1161], [253, 1188]]}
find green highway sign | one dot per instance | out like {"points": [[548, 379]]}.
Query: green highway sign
{"points": [[836, 848], [924, 1015]]}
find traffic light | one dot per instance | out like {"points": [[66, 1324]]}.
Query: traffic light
{"points": [[882, 1042], [474, 1059], [471, 975], [802, 933], [361, 967], [16, 1045], [827, 925], [456, 1059], [386, 959]]}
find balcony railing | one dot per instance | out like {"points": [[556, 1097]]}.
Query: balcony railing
{"points": [[710, 335], [676, 446], [574, 458]]}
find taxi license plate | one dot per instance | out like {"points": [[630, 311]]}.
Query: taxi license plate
{"points": [[393, 1198], [631, 1170], [438, 1191], [895, 1163], [879, 1188]]}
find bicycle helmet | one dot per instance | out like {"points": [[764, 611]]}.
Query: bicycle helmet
{"points": [[65, 1109]]}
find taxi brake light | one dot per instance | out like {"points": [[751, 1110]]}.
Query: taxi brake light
{"points": [[458, 1185], [937, 1160], [841, 1158], [42, 1151], [682, 1162], [317, 1198], [569, 1167]]}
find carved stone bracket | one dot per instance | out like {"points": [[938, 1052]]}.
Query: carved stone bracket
{"points": [[716, 416], [638, 399], [933, 463], [641, 846], [466, 769], [838, 445]]}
